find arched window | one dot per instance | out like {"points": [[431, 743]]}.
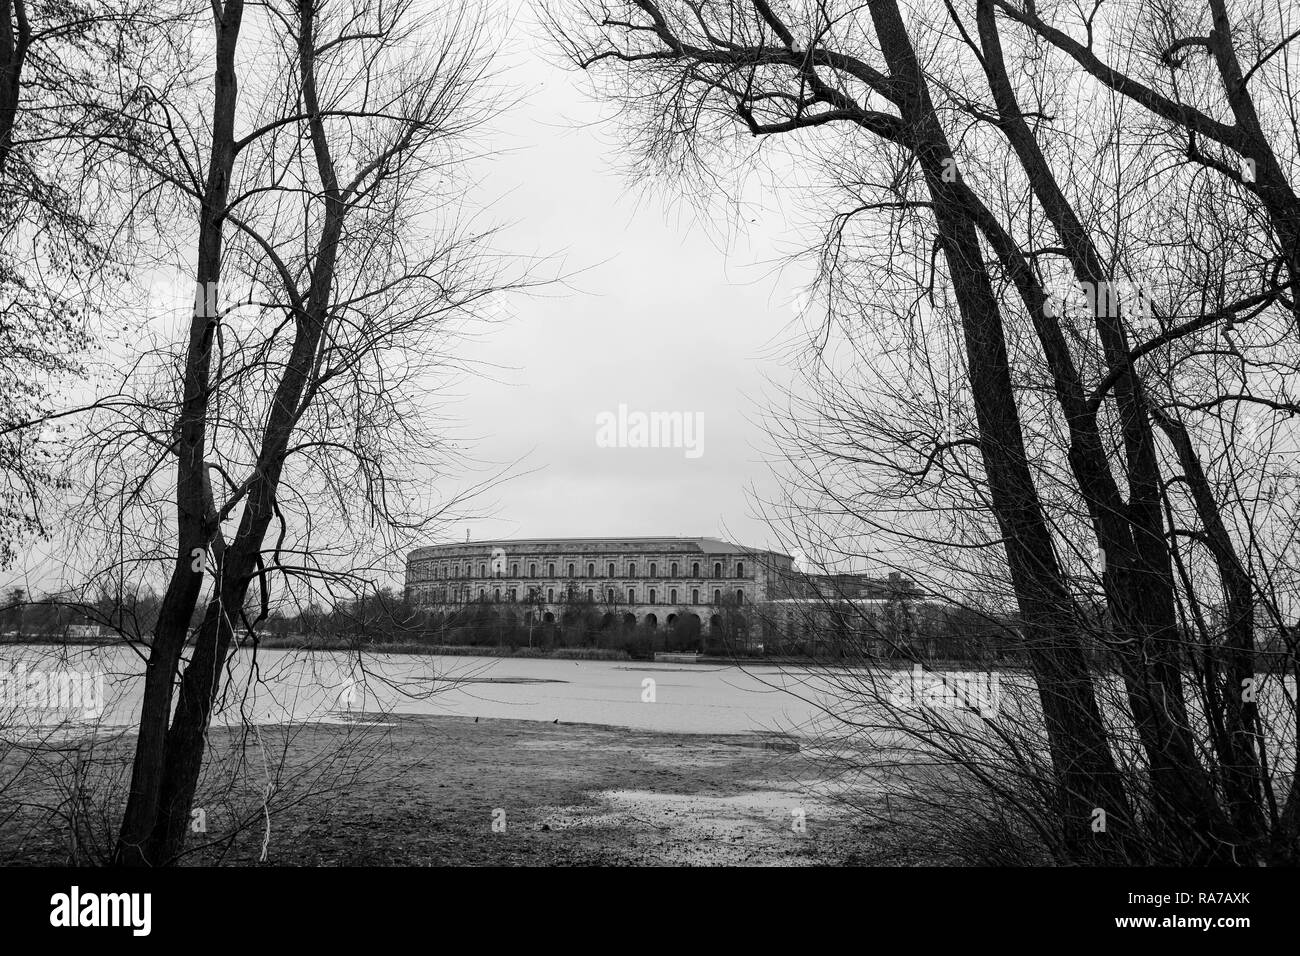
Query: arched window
{"points": [[455, 572], [674, 573], [740, 596], [514, 570], [610, 596], [654, 570], [695, 595], [717, 596], [482, 570], [695, 569], [631, 570], [591, 594], [482, 593], [611, 569], [496, 594], [652, 595], [550, 570], [631, 595], [740, 569], [532, 570], [550, 595], [570, 569], [591, 570], [717, 569], [672, 596]]}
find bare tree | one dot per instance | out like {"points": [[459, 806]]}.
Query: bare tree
{"points": [[920, 133], [323, 180], [66, 72]]}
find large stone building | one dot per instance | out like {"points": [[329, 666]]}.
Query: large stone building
{"points": [[818, 612], [646, 581]]}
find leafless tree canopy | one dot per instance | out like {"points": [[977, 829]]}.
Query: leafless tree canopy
{"points": [[1053, 360], [303, 164], [67, 70]]}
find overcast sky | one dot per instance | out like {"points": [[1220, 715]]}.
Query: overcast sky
{"points": [[664, 318], [657, 314]]}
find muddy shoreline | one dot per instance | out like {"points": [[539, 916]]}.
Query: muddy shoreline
{"points": [[455, 791]]}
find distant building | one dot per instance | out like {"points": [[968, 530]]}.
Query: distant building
{"points": [[747, 595], [850, 586], [82, 631], [643, 581], [861, 615]]}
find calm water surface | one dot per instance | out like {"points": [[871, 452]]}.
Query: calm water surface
{"points": [[287, 686], [291, 686]]}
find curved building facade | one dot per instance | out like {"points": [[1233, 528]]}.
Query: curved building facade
{"points": [[648, 581]]}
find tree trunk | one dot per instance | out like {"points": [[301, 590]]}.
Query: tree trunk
{"points": [[195, 532], [15, 37], [1087, 778], [202, 680], [1137, 575]]}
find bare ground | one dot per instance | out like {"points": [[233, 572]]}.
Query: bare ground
{"points": [[439, 790]]}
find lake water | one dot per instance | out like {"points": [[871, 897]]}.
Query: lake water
{"points": [[291, 686], [47, 689]]}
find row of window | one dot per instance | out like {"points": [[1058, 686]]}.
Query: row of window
{"points": [[498, 570], [611, 595]]}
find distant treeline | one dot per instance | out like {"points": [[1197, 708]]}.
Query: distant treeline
{"points": [[386, 619]]}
